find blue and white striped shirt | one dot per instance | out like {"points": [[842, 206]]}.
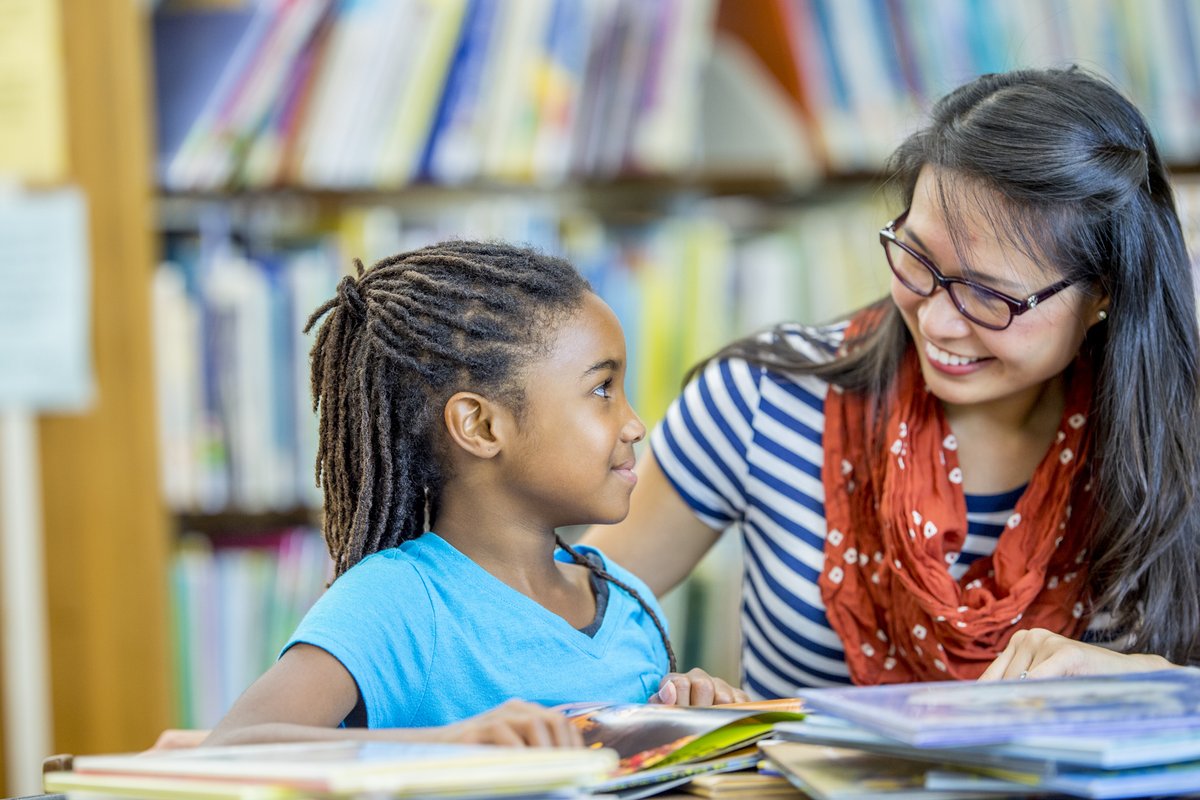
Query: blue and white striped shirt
{"points": [[742, 445]]}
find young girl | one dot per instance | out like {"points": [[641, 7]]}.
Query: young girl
{"points": [[471, 401], [992, 464]]}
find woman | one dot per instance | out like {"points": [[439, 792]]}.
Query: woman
{"points": [[995, 465]]}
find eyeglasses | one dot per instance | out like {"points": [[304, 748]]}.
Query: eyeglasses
{"points": [[982, 305]]}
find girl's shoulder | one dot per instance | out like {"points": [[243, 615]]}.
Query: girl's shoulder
{"points": [[412, 558]]}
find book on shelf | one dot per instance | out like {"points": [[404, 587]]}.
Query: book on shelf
{"points": [[662, 746], [339, 769], [946, 713], [235, 600]]}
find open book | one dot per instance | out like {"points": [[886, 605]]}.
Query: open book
{"points": [[663, 746], [299, 769]]}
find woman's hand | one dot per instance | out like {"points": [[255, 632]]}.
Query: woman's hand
{"points": [[696, 688], [514, 723], [1039, 653]]}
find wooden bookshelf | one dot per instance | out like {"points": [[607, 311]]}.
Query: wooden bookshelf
{"points": [[106, 537]]}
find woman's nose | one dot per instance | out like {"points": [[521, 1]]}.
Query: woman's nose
{"points": [[939, 316]]}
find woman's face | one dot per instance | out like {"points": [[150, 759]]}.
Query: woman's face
{"points": [[966, 364]]}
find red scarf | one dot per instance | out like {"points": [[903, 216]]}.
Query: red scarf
{"points": [[896, 517]]}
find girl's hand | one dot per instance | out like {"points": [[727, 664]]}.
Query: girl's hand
{"points": [[179, 738], [696, 688], [1039, 653], [515, 723]]}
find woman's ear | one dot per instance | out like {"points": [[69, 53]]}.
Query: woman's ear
{"points": [[473, 424], [1099, 311]]}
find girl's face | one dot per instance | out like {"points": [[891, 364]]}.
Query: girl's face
{"points": [[966, 364], [573, 460]]}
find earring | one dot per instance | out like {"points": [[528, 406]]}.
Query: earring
{"points": [[1103, 315]]}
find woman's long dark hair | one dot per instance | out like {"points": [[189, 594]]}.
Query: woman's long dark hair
{"points": [[1065, 167]]}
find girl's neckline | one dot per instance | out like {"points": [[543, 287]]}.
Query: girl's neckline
{"points": [[592, 632]]}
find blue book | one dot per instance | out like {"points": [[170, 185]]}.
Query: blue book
{"points": [[1041, 754], [450, 154], [952, 713]]}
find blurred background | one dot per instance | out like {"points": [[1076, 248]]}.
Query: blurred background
{"points": [[181, 183]]}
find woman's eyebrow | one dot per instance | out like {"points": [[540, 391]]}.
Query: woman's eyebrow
{"points": [[991, 281]]}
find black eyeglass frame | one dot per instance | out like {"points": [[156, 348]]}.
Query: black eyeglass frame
{"points": [[1015, 307]]}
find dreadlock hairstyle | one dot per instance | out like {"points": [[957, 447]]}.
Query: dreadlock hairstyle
{"points": [[1065, 167], [400, 339]]}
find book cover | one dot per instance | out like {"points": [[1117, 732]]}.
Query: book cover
{"points": [[343, 768], [962, 713]]}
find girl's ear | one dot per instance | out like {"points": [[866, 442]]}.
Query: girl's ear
{"points": [[473, 423]]}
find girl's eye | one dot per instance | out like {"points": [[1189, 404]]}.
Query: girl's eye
{"points": [[603, 389]]}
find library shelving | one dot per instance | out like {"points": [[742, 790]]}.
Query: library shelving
{"points": [[710, 165]]}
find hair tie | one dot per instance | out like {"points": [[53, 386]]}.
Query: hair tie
{"points": [[351, 299]]}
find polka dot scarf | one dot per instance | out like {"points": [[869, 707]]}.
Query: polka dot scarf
{"points": [[897, 519]]}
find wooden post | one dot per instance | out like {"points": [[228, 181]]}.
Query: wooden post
{"points": [[106, 529]]}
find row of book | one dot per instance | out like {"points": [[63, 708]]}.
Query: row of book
{"points": [[1108, 736], [237, 428], [866, 68], [382, 93], [235, 602], [240, 278], [375, 93]]}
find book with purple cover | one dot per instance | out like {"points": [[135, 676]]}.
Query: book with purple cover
{"points": [[972, 713]]}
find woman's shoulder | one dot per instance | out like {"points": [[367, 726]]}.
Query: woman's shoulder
{"points": [[818, 344], [777, 356]]}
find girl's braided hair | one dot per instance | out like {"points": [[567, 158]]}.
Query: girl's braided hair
{"points": [[400, 339]]}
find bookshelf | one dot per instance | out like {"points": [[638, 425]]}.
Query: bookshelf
{"points": [[709, 165]]}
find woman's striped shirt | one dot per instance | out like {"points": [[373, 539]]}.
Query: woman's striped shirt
{"points": [[742, 445]]}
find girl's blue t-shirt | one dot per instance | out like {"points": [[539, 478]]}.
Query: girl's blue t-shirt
{"points": [[431, 638]]}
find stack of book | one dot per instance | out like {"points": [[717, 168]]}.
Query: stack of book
{"points": [[632, 751], [1133, 735], [334, 769]]}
